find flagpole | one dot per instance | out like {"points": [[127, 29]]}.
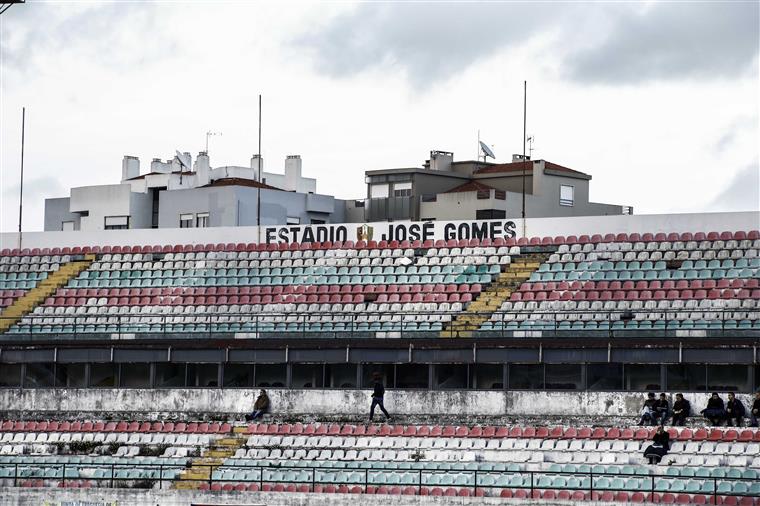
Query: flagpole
{"points": [[21, 189]]}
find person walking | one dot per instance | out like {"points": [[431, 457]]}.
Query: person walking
{"points": [[681, 410], [378, 394], [259, 407], [734, 411]]}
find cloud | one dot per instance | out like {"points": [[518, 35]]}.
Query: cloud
{"points": [[33, 188], [594, 43], [672, 40], [106, 34], [742, 193]]}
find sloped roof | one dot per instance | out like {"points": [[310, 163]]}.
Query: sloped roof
{"points": [[471, 186], [142, 176], [240, 181], [524, 166]]}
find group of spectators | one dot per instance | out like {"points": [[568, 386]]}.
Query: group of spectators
{"points": [[658, 410]]}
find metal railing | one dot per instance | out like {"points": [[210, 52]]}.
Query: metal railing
{"points": [[309, 478], [367, 324]]}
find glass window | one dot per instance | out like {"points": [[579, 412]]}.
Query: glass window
{"points": [[67, 225], [490, 214], [238, 375], [201, 220], [203, 375], [563, 377], [686, 377], [604, 376], [116, 222], [293, 220], [185, 220], [170, 375], [487, 376], [271, 375], [378, 191], [306, 376], [103, 375], [10, 375], [640, 377], [728, 378], [71, 375], [402, 189], [412, 375], [566, 195], [526, 376], [340, 375], [386, 372], [39, 375], [451, 376], [135, 375]]}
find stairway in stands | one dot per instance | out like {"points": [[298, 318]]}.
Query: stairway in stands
{"points": [[491, 299], [47, 287], [201, 468]]}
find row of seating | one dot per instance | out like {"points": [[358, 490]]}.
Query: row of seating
{"points": [[135, 438], [113, 426]]}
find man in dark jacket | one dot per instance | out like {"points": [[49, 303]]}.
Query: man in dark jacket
{"points": [[681, 410], [662, 409], [715, 410], [754, 414], [377, 397], [734, 411], [260, 406], [647, 411]]}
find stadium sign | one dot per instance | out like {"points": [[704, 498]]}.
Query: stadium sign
{"points": [[393, 231]]}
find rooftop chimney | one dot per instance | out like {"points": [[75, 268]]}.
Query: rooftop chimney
{"points": [[292, 172], [130, 167], [257, 164], [441, 160], [202, 169]]}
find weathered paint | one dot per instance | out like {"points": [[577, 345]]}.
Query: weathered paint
{"points": [[333, 403]]}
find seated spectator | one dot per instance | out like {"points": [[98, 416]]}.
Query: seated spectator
{"points": [[734, 411], [661, 409], [260, 407], [659, 447], [715, 410], [754, 413], [681, 410], [647, 411]]}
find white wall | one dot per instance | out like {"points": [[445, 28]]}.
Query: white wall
{"points": [[652, 223], [100, 201]]}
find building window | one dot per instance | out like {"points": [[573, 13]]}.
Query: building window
{"points": [[566, 195], [429, 197], [378, 191], [293, 220], [490, 214], [67, 225], [185, 220], [402, 189], [315, 221], [201, 220], [116, 222], [483, 194]]}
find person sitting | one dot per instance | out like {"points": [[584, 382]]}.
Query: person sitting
{"points": [[754, 413], [734, 411], [659, 447], [681, 410], [260, 407], [715, 410], [647, 411], [661, 409]]}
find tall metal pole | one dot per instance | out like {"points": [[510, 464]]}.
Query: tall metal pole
{"points": [[21, 190], [258, 180], [525, 117]]}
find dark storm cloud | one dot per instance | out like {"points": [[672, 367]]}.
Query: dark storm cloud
{"points": [[672, 40], [596, 43], [117, 35]]}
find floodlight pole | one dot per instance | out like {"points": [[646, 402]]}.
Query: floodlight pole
{"points": [[525, 117], [258, 180], [21, 189]]}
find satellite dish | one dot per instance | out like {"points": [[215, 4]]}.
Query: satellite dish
{"points": [[184, 159], [486, 150]]}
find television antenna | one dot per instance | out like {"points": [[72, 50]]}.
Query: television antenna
{"points": [[487, 151], [531, 139], [211, 134]]}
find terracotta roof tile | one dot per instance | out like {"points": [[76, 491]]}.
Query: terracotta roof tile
{"points": [[471, 186], [520, 166]]}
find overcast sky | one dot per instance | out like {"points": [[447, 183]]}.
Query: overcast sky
{"points": [[658, 101]]}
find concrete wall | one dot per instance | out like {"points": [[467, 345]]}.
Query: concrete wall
{"points": [[56, 212], [99, 202], [112, 497], [531, 227], [348, 402]]}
